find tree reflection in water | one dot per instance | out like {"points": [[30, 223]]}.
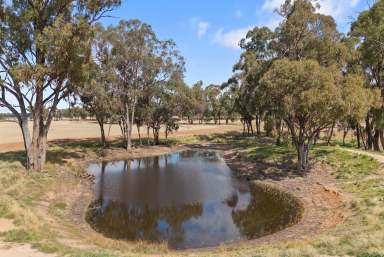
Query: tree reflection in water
{"points": [[269, 211], [118, 221]]}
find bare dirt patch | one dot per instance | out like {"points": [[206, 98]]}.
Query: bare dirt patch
{"points": [[6, 225]]}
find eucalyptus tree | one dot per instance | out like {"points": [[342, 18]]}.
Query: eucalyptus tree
{"points": [[199, 103], [258, 55], [165, 104], [44, 50], [242, 102], [187, 102], [212, 94], [369, 32], [97, 94], [308, 97], [141, 60], [357, 103], [227, 103]]}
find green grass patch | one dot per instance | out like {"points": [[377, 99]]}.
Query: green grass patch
{"points": [[60, 206], [347, 165], [19, 236]]}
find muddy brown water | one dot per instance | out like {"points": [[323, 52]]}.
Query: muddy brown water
{"points": [[188, 199]]}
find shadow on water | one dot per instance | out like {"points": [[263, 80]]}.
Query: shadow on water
{"points": [[188, 199]]}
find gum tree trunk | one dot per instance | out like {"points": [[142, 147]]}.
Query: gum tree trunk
{"points": [[376, 138], [346, 130], [358, 136], [258, 125], [302, 154], [23, 123], [381, 134], [138, 132], [102, 133], [148, 141], [368, 129], [156, 132], [129, 121], [331, 134]]}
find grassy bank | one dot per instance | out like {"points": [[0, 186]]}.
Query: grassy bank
{"points": [[41, 220]]}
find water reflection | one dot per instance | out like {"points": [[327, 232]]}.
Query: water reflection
{"points": [[188, 199]]}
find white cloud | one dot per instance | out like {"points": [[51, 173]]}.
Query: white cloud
{"points": [[202, 28], [339, 9], [231, 39], [271, 5]]}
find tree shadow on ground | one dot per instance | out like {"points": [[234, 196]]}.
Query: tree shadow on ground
{"points": [[12, 157], [61, 155], [54, 156]]}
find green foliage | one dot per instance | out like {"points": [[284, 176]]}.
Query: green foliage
{"points": [[269, 124], [369, 30]]}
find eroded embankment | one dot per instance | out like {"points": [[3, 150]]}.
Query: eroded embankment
{"points": [[323, 204]]}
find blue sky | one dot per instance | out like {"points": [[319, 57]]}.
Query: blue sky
{"points": [[207, 32]]}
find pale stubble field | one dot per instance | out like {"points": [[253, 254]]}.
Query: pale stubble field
{"points": [[11, 137]]}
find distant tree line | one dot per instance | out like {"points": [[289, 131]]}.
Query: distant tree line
{"points": [[6, 116]]}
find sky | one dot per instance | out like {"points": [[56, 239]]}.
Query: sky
{"points": [[207, 32]]}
